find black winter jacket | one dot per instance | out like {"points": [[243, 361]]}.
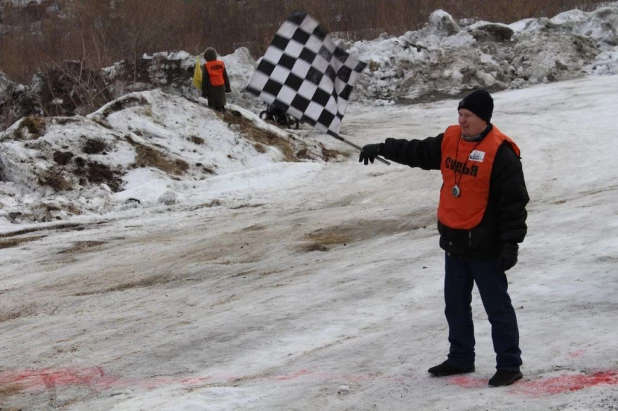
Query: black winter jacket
{"points": [[505, 217]]}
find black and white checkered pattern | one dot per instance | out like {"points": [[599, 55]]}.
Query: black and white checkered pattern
{"points": [[306, 75]]}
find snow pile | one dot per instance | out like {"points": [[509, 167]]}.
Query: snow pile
{"points": [[446, 58], [131, 152]]}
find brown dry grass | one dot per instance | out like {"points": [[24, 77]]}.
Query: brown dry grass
{"points": [[53, 178], [150, 157], [248, 129], [329, 154], [34, 124]]}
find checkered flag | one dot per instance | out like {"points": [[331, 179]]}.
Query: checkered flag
{"points": [[306, 75]]}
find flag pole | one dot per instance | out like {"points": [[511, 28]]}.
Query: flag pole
{"points": [[339, 137]]}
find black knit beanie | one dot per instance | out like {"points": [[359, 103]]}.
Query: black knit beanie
{"points": [[480, 103]]}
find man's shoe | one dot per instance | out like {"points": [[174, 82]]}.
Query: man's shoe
{"points": [[446, 368], [504, 377]]}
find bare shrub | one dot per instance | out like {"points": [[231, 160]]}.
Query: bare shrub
{"points": [[98, 33], [72, 88]]}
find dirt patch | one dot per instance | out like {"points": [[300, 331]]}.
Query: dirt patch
{"points": [[8, 391], [80, 171], [143, 283], [98, 173], [65, 120], [81, 246], [325, 238], [62, 157], [196, 140], [59, 227], [14, 242], [213, 203], [94, 146], [255, 227], [322, 239]]}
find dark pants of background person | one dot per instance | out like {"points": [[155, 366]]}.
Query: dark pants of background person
{"points": [[461, 274]]}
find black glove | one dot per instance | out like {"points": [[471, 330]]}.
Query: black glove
{"points": [[508, 256], [369, 153]]}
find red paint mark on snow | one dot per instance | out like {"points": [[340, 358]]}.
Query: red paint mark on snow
{"points": [[547, 386], [568, 383], [577, 353], [291, 376], [49, 378], [95, 378], [468, 382]]}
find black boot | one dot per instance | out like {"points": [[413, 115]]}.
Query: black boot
{"points": [[504, 377], [446, 368]]}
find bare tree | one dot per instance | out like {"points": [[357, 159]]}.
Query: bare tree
{"points": [[100, 32]]}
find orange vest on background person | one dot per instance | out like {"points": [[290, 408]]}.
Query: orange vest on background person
{"points": [[215, 70], [469, 166]]}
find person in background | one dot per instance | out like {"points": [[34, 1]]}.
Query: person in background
{"points": [[215, 81], [481, 220]]}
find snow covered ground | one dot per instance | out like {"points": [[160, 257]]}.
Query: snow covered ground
{"points": [[246, 281], [326, 292]]}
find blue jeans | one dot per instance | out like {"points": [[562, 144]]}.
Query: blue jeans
{"points": [[461, 274]]}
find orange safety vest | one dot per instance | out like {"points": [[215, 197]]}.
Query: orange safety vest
{"points": [[215, 71], [469, 166]]}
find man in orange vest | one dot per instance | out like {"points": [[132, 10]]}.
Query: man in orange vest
{"points": [[481, 220], [215, 82]]}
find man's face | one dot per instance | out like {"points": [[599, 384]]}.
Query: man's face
{"points": [[471, 124]]}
